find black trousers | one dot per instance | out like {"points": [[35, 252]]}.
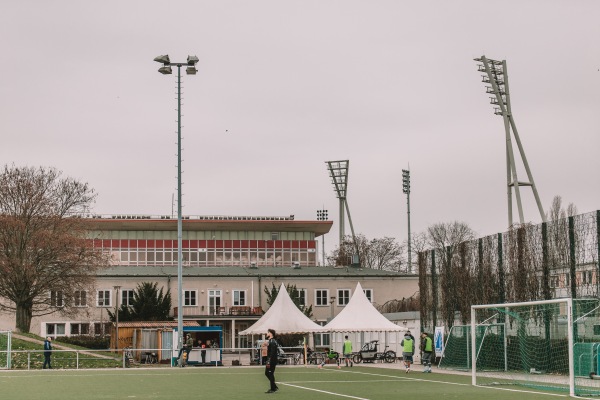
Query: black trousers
{"points": [[47, 360], [270, 373]]}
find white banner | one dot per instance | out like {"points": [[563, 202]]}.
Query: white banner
{"points": [[438, 340]]}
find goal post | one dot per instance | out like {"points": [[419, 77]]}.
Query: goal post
{"points": [[536, 345]]}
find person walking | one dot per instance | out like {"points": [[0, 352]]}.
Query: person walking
{"points": [[47, 352], [427, 349], [408, 349], [348, 351], [202, 351], [272, 350], [185, 350], [264, 352]]}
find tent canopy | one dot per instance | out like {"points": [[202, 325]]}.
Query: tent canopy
{"points": [[283, 316], [359, 315]]}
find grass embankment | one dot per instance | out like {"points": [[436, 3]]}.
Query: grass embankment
{"points": [[28, 353]]}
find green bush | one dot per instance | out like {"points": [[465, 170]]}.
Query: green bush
{"points": [[89, 342]]}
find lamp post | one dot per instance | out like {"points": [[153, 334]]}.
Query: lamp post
{"points": [[406, 190], [117, 288], [322, 216], [190, 70]]}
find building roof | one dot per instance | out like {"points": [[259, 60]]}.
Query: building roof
{"points": [[229, 272], [260, 224]]}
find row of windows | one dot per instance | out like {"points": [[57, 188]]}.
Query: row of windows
{"points": [[204, 257], [564, 280], [214, 296], [84, 328]]}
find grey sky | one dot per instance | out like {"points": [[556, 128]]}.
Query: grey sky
{"points": [[284, 86]]}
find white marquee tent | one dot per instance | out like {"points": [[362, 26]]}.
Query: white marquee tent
{"points": [[359, 315], [283, 316]]}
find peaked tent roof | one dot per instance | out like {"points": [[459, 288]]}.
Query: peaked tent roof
{"points": [[360, 315], [283, 316]]}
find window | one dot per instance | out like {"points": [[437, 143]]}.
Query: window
{"points": [[55, 329], [343, 297], [302, 297], [369, 294], [80, 329], [596, 330], [127, 297], [274, 236], [554, 281], [190, 298], [103, 299], [321, 339], [321, 297], [214, 301], [567, 280], [101, 329], [586, 277], [80, 298], [239, 297], [56, 298]]}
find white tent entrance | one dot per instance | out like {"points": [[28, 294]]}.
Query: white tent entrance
{"points": [[361, 321]]}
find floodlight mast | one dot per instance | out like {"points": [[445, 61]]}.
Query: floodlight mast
{"points": [[496, 75], [338, 171], [406, 190], [190, 70]]}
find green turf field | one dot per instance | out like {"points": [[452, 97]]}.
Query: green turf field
{"points": [[247, 383]]}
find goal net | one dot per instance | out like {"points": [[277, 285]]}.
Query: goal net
{"points": [[5, 347], [546, 345]]}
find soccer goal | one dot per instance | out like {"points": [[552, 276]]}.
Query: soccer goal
{"points": [[5, 347], [548, 345]]}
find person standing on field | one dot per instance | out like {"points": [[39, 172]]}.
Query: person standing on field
{"points": [[47, 352], [427, 349], [408, 349], [272, 353], [348, 351]]}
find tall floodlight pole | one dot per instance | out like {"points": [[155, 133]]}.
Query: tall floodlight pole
{"points": [[496, 76], [322, 216], [406, 190], [117, 288], [190, 70], [338, 171]]}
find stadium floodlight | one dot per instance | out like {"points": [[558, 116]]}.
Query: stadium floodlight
{"points": [[406, 190], [322, 216], [191, 60], [496, 76], [338, 171]]}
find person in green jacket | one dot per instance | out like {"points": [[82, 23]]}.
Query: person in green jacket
{"points": [[347, 351], [427, 349], [408, 349]]}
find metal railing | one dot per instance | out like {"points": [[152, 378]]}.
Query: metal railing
{"points": [[150, 358]]}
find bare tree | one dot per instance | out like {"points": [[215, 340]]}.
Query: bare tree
{"points": [[382, 254], [46, 262], [451, 242]]}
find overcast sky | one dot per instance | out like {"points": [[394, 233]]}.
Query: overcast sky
{"points": [[283, 86]]}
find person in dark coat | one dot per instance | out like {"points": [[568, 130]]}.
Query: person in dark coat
{"points": [[272, 350], [47, 352]]}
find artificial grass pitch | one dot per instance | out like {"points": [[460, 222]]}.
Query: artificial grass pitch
{"points": [[246, 383]]}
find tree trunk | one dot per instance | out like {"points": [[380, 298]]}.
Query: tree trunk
{"points": [[23, 317]]}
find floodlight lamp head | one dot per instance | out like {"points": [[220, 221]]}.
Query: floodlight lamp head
{"points": [[192, 60], [163, 59], [165, 70], [191, 70]]}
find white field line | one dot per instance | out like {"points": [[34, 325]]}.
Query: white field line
{"points": [[459, 384], [323, 391]]}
